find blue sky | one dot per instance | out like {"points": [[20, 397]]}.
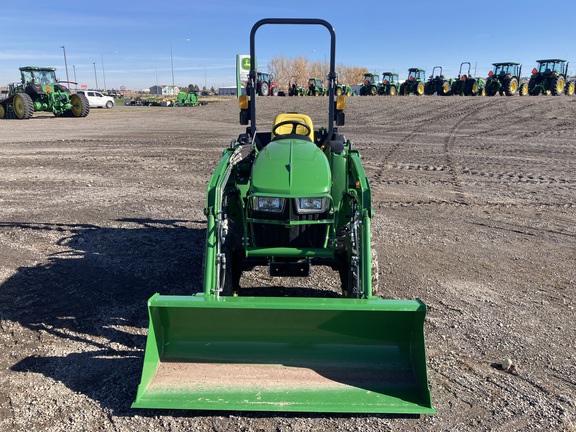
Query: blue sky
{"points": [[129, 41]]}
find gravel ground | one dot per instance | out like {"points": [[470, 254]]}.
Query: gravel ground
{"points": [[475, 214]]}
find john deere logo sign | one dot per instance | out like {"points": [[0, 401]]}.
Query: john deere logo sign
{"points": [[242, 69]]}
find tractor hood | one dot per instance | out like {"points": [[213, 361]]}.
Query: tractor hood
{"points": [[291, 167]]}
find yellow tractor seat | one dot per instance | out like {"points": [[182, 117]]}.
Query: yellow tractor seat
{"points": [[288, 128]]}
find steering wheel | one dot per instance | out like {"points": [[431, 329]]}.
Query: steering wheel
{"points": [[295, 124]]}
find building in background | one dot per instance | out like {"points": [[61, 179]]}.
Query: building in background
{"points": [[164, 90]]}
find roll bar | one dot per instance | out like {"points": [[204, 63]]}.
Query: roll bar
{"points": [[331, 74]]}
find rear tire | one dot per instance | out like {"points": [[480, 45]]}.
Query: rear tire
{"points": [[264, 89], [473, 89], [454, 89], [2, 111], [532, 87], [80, 106], [511, 87], [558, 85], [445, 88], [419, 89], [427, 89], [23, 106], [392, 91]]}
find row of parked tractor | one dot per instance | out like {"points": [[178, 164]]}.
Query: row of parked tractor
{"points": [[550, 76], [266, 86]]}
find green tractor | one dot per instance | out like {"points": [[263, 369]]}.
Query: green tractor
{"points": [[343, 89], [186, 99], [467, 85], [370, 85], [39, 90], [389, 84], [294, 89], [437, 83], [551, 77], [414, 84], [291, 199], [505, 79], [316, 88]]}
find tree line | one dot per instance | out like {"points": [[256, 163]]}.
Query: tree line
{"points": [[196, 88], [287, 71]]}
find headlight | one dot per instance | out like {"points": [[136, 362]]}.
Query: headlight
{"points": [[268, 204], [311, 205]]}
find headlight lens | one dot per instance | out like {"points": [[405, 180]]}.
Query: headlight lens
{"points": [[311, 205], [269, 204]]}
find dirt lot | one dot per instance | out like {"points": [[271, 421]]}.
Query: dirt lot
{"points": [[475, 214]]}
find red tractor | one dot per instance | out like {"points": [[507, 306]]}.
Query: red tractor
{"points": [[265, 84]]}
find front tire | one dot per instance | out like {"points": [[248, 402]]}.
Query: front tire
{"points": [[351, 269]]}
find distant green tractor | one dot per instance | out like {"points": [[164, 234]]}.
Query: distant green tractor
{"points": [[186, 99], [39, 90], [294, 89], [467, 85], [437, 83], [389, 84], [505, 79], [343, 90], [414, 84], [316, 88], [551, 77], [370, 85]]}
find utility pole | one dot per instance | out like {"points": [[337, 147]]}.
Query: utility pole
{"points": [[66, 66], [95, 76], [103, 74]]}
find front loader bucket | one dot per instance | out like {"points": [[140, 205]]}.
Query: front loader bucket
{"points": [[285, 354]]}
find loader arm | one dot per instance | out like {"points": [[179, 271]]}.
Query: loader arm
{"points": [[213, 213]]}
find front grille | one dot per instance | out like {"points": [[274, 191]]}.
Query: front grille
{"points": [[300, 236]]}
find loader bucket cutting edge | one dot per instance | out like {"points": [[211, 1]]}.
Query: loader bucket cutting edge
{"points": [[285, 354]]}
